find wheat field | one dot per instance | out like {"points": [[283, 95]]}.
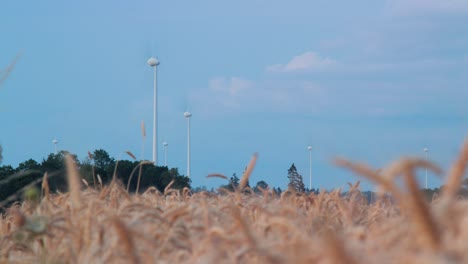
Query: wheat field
{"points": [[109, 225]]}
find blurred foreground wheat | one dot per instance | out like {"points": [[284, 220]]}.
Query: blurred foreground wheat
{"points": [[110, 225]]}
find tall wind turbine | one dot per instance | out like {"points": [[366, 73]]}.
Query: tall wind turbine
{"points": [[165, 152], [188, 115], [154, 62], [55, 141]]}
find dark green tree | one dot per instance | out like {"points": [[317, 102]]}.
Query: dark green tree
{"points": [[160, 177], [295, 180], [1, 157], [124, 170], [53, 162], [99, 162], [54, 165], [104, 164], [30, 171], [233, 183], [261, 185], [30, 164], [180, 181], [86, 170], [235, 180], [7, 181], [13, 180], [151, 176], [6, 171]]}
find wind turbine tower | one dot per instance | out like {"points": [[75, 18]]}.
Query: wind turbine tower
{"points": [[188, 115], [426, 150], [165, 152], [154, 62], [55, 141]]}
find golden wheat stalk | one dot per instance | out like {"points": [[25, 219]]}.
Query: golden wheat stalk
{"points": [[45, 187], [125, 239], [217, 175], [168, 187], [418, 209], [74, 183], [143, 130], [245, 178], [90, 156], [139, 175], [370, 174], [456, 174], [130, 154], [7, 71]]}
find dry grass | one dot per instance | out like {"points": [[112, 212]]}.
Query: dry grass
{"points": [[111, 226]]}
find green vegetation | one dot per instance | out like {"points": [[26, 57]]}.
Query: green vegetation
{"points": [[295, 180], [97, 170]]}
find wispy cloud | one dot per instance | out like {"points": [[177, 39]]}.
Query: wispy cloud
{"points": [[231, 86], [356, 98], [309, 61], [408, 7], [239, 95], [355, 87]]}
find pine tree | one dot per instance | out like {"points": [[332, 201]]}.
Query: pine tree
{"points": [[233, 183], [295, 180]]}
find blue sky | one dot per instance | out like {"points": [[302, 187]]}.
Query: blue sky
{"points": [[366, 80]]}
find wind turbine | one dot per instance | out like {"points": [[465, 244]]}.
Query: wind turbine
{"points": [[188, 115], [165, 152], [55, 141], [154, 62]]}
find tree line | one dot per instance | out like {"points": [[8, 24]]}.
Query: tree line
{"points": [[96, 170]]}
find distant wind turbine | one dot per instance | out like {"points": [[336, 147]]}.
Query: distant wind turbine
{"points": [[55, 142], [188, 115], [154, 62]]}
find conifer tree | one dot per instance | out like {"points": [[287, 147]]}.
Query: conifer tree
{"points": [[295, 180]]}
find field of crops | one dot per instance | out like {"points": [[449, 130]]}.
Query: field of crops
{"points": [[109, 225]]}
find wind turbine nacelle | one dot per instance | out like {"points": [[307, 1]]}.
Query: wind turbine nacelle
{"points": [[153, 62]]}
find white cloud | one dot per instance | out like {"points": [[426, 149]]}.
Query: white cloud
{"points": [[309, 61], [339, 94], [233, 86], [238, 95], [406, 7]]}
